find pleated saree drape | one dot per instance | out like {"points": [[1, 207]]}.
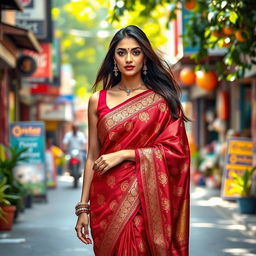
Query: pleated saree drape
{"points": [[142, 207]]}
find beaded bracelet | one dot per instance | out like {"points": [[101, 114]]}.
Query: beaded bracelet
{"points": [[82, 210], [87, 205]]}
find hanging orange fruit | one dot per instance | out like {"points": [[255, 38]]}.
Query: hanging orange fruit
{"points": [[190, 4], [239, 36], [187, 76], [206, 80], [216, 33], [227, 30]]}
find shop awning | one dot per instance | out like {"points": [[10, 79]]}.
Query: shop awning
{"points": [[22, 38], [11, 5]]}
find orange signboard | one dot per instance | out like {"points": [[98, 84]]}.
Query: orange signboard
{"points": [[238, 158]]}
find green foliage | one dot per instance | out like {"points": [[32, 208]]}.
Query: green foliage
{"points": [[153, 25], [196, 160], [7, 165], [85, 33], [205, 29], [5, 196], [81, 25], [241, 185]]}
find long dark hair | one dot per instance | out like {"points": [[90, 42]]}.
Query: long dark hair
{"points": [[159, 77]]}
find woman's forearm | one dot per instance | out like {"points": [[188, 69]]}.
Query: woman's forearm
{"points": [[87, 180], [128, 154]]}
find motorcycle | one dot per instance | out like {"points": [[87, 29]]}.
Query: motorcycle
{"points": [[75, 165]]}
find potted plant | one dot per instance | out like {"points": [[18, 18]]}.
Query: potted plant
{"points": [[6, 209], [242, 186], [7, 165]]}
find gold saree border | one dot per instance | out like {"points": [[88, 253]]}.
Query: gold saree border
{"points": [[119, 220], [182, 224], [124, 112], [152, 200]]}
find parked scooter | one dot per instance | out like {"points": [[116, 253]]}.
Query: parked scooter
{"points": [[75, 165]]}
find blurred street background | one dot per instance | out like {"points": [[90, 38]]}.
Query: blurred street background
{"points": [[50, 52]]}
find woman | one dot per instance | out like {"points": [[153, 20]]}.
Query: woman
{"points": [[137, 170]]}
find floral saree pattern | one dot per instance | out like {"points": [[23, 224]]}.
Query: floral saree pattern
{"points": [[141, 208]]}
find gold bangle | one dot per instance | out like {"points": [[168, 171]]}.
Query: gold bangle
{"points": [[82, 210], [82, 204]]}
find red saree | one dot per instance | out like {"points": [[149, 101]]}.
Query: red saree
{"points": [[141, 208]]}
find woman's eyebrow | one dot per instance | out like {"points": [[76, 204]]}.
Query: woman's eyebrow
{"points": [[129, 48]]}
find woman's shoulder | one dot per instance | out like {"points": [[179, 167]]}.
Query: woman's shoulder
{"points": [[95, 97], [93, 100]]}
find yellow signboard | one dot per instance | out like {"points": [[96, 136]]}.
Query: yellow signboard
{"points": [[238, 158]]}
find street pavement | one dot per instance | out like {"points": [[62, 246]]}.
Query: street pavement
{"points": [[48, 228], [214, 231]]}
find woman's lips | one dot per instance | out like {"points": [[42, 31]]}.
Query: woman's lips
{"points": [[129, 67]]}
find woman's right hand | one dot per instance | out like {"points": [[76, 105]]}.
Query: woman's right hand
{"points": [[82, 228]]}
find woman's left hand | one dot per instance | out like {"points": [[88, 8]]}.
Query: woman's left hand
{"points": [[108, 161]]}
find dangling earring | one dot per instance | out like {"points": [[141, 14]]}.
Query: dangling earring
{"points": [[115, 70], [145, 68]]}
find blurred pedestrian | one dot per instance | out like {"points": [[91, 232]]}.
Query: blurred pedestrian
{"points": [[74, 139], [52, 156], [58, 156], [136, 181]]}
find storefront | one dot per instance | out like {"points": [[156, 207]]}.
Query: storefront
{"points": [[12, 39], [243, 115]]}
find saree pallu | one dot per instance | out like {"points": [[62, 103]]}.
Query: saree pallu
{"points": [[141, 207]]}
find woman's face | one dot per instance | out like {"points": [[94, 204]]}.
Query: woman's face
{"points": [[129, 57]]}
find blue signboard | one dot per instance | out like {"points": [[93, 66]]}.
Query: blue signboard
{"points": [[188, 49], [31, 171]]}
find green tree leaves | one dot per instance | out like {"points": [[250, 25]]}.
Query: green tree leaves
{"points": [[85, 33], [83, 38], [233, 17], [227, 24]]}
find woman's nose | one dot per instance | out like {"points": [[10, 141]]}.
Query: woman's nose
{"points": [[129, 58]]}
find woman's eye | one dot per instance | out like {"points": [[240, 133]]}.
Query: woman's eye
{"points": [[120, 53], [136, 52]]}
